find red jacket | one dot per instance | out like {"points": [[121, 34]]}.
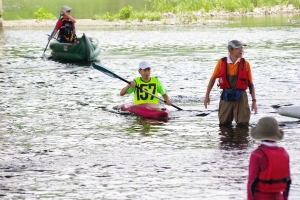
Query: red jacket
{"points": [[242, 77], [60, 22], [261, 162]]}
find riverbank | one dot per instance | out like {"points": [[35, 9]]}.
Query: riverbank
{"points": [[196, 18]]}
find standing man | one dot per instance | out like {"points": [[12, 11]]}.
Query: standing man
{"points": [[234, 74], [65, 27]]}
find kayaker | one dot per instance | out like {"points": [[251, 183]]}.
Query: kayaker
{"points": [[151, 84], [269, 169], [65, 29], [234, 74]]}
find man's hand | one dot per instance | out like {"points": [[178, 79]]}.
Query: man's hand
{"points": [[206, 101]]}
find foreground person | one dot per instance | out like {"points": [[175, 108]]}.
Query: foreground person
{"points": [[65, 28], [269, 169], [151, 84], [234, 74]]}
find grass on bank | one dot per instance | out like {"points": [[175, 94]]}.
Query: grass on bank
{"points": [[187, 7], [42, 14], [128, 13], [179, 6], [182, 8]]}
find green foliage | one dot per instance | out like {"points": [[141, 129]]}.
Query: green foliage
{"points": [[128, 13], [96, 17], [41, 14], [296, 3], [154, 16], [179, 6], [183, 6], [125, 13], [107, 16], [231, 6], [140, 16], [257, 3]]}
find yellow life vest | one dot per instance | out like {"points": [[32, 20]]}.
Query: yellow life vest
{"points": [[141, 97]]}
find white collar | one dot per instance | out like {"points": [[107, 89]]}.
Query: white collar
{"points": [[230, 61], [270, 144]]}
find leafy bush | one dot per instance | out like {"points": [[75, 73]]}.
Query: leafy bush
{"points": [[41, 14], [140, 16], [125, 13], [107, 16]]}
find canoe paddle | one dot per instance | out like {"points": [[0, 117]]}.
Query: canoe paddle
{"points": [[113, 75], [52, 34], [53, 37]]}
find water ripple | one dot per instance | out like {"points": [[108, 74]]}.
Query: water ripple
{"points": [[63, 136]]}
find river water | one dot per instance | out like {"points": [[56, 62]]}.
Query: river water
{"points": [[62, 135]]}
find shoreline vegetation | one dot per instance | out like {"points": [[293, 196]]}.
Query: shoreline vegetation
{"points": [[126, 18]]}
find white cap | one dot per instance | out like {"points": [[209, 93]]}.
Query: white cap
{"points": [[144, 65], [66, 8]]}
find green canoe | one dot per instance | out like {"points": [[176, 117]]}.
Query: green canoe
{"points": [[85, 50]]}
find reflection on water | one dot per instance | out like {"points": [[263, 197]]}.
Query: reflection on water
{"points": [[234, 137], [265, 21], [149, 126], [63, 135]]}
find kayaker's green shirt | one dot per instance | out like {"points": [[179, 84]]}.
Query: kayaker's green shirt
{"points": [[154, 86]]}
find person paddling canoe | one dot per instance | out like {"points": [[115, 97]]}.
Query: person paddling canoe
{"points": [[146, 82], [65, 28]]}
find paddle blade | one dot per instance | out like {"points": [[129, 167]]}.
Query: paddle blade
{"points": [[104, 70], [52, 34]]}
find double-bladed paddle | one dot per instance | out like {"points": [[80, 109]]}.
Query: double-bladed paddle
{"points": [[52, 34], [113, 75]]}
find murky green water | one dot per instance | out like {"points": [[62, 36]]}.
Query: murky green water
{"points": [[61, 136]]}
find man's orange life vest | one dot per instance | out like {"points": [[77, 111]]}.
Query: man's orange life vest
{"points": [[242, 77]]}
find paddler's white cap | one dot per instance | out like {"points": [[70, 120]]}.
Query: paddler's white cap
{"points": [[144, 65], [66, 8]]}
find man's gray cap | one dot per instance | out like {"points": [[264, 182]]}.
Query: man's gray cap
{"points": [[235, 44]]}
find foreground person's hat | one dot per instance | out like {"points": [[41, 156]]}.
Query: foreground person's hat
{"points": [[235, 44], [144, 65], [66, 8], [267, 129]]}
